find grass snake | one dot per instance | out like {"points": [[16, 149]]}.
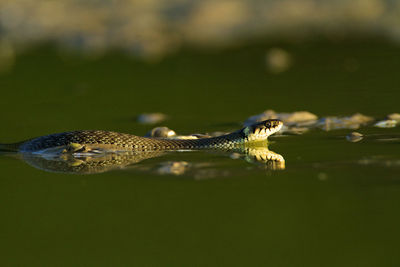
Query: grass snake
{"points": [[89, 140]]}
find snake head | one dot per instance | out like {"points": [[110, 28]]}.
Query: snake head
{"points": [[261, 130]]}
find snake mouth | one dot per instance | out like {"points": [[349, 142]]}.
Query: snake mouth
{"points": [[261, 130]]}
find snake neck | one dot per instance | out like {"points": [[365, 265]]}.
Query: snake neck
{"points": [[231, 140], [220, 142]]}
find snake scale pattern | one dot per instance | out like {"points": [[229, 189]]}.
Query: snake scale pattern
{"points": [[82, 140]]}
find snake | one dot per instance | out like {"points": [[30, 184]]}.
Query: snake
{"points": [[99, 140]]}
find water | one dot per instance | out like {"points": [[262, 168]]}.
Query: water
{"points": [[334, 204]]}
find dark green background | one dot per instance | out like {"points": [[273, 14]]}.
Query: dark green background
{"points": [[243, 215]]}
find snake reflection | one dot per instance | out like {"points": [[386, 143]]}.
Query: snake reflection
{"points": [[79, 163]]}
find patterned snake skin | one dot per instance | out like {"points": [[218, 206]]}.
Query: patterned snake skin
{"points": [[105, 140]]}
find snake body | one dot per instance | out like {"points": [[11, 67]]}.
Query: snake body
{"points": [[106, 140]]}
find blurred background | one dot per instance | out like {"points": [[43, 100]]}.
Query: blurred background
{"points": [[206, 66], [155, 28]]}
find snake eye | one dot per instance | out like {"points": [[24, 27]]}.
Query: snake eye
{"points": [[268, 124]]}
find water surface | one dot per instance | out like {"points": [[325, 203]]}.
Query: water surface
{"points": [[334, 204]]}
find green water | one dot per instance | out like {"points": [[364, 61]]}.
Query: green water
{"points": [[335, 204]]}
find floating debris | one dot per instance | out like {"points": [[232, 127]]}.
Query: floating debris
{"points": [[300, 118], [278, 60], [352, 122], [161, 132], [394, 116], [173, 167], [386, 124], [354, 137], [359, 118], [294, 130], [151, 118]]}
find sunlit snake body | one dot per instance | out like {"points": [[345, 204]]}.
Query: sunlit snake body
{"points": [[105, 140]]}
